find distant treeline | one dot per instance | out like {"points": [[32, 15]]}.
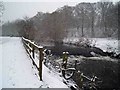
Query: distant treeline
{"points": [[87, 19]]}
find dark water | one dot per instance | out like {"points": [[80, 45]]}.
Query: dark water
{"points": [[108, 72], [74, 50]]}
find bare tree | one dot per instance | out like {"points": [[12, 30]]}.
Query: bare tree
{"points": [[105, 7], [92, 18], [54, 27], [80, 13], [1, 8], [26, 28], [1, 13], [82, 16]]}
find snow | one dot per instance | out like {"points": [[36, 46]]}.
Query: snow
{"points": [[106, 44], [0, 64], [71, 40], [17, 68], [18, 71], [51, 79], [32, 43], [36, 59]]}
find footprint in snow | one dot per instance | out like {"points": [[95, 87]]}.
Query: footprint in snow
{"points": [[13, 84]]}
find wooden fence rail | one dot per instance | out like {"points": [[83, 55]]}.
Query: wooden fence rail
{"points": [[30, 48]]}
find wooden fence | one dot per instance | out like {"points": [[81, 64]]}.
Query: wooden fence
{"points": [[30, 48]]}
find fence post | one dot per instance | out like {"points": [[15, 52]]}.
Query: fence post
{"points": [[81, 80], [65, 58], [29, 48], [33, 53], [40, 62], [75, 64]]}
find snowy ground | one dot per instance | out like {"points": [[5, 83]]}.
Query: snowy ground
{"points": [[0, 64], [18, 71], [106, 44]]}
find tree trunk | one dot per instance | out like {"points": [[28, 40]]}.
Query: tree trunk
{"points": [[92, 27], [82, 27]]}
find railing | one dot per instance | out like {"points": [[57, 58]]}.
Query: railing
{"points": [[31, 48]]}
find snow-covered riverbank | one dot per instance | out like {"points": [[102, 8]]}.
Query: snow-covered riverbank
{"points": [[106, 44]]}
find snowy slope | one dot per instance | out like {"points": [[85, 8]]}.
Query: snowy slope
{"points": [[106, 44], [18, 71]]}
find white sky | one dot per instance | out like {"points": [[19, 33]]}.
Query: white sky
{"points": [[15, 9]]}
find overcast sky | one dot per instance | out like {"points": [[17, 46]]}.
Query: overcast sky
{"points": [[17, 9]]}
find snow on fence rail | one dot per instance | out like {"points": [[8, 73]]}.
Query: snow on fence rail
{"points": [[30, 48]]}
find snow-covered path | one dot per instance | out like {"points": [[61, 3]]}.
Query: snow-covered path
{"points": [[18, 71]]}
